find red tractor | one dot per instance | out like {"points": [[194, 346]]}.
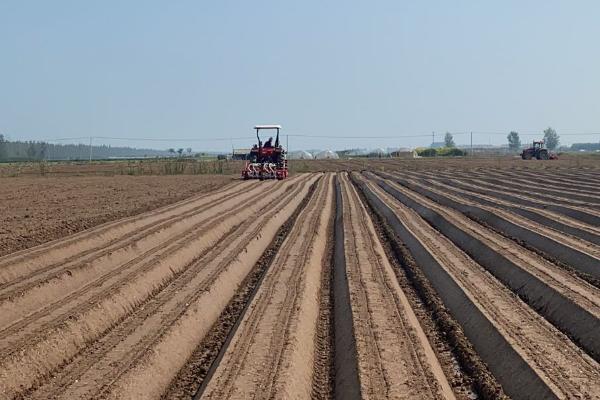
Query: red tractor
{"points": [[268, 160], [537, 151]]}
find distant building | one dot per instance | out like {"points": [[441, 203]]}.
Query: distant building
{"points": [[240, 154]]}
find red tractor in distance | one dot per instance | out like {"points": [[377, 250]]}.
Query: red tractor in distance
{"points": [[537, 151], [268, 160]]}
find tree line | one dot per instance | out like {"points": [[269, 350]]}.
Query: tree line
{"points": [[37, 151], [551, 140]]}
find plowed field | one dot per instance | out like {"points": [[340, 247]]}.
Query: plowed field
{"points": [[376, 285]]}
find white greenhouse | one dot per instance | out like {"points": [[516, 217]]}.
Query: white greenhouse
{"points": [[300, 155], [327, 155]]}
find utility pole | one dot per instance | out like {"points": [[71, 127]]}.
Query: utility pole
{"points": [[432, 138], [287, 148], [471, 144], [90, 149]]}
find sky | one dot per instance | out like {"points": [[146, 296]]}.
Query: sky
{"points": [[354, 73]]}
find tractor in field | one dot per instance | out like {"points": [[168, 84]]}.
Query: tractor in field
{"points": [[537, 151], [268, 160]]}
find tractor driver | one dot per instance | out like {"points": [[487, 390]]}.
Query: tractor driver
{"points": [[269, 143]]}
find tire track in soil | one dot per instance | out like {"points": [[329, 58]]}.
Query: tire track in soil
{"points": [[139, 305], [271, 354], [395, 358], [565, 368]]}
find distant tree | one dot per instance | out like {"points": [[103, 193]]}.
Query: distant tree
{"points": [[171, 150], [31, 151], [180, 151], [449, 140], [189, 150], [585, 146], [551, 138], [43, 150], [3, 145], [514, 142]]}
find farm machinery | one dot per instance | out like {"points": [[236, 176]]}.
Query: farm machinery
{"points": [[537, 151], [268, 160]]}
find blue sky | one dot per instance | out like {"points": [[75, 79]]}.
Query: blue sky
{"points": [[204, 70]]}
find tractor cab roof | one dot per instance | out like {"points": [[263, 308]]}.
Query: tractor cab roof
{"points": [[267, 127]]}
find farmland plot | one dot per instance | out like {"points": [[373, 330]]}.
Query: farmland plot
{"points": [[375, 285]]}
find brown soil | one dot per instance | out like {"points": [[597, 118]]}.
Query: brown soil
{"points": [[526, 331], [395, 358], [38, 210], [94, 305], [191, 379], [324, 285], [272, 353]]}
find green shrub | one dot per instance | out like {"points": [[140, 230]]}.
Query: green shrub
{"points": [[441, 152], [427, 152], [451, 152]]}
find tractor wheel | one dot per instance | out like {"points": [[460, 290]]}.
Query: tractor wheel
{"points": [[542, 155], [526, 156]]}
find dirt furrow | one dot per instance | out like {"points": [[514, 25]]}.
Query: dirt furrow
{"points": [[39, 298], [563, 367], [38, 309], [272, 352], [201, 365], [118, 248], [168, 325], [569, 303], [395, 358], [543, 194], [538, 192], [591, 181], [89, 320], [578, 255], [547, 180], [583, 215], [56, 253], [551, 219]]}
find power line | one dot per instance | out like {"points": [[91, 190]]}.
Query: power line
{"points": [[301, 135], [173, 139]]}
